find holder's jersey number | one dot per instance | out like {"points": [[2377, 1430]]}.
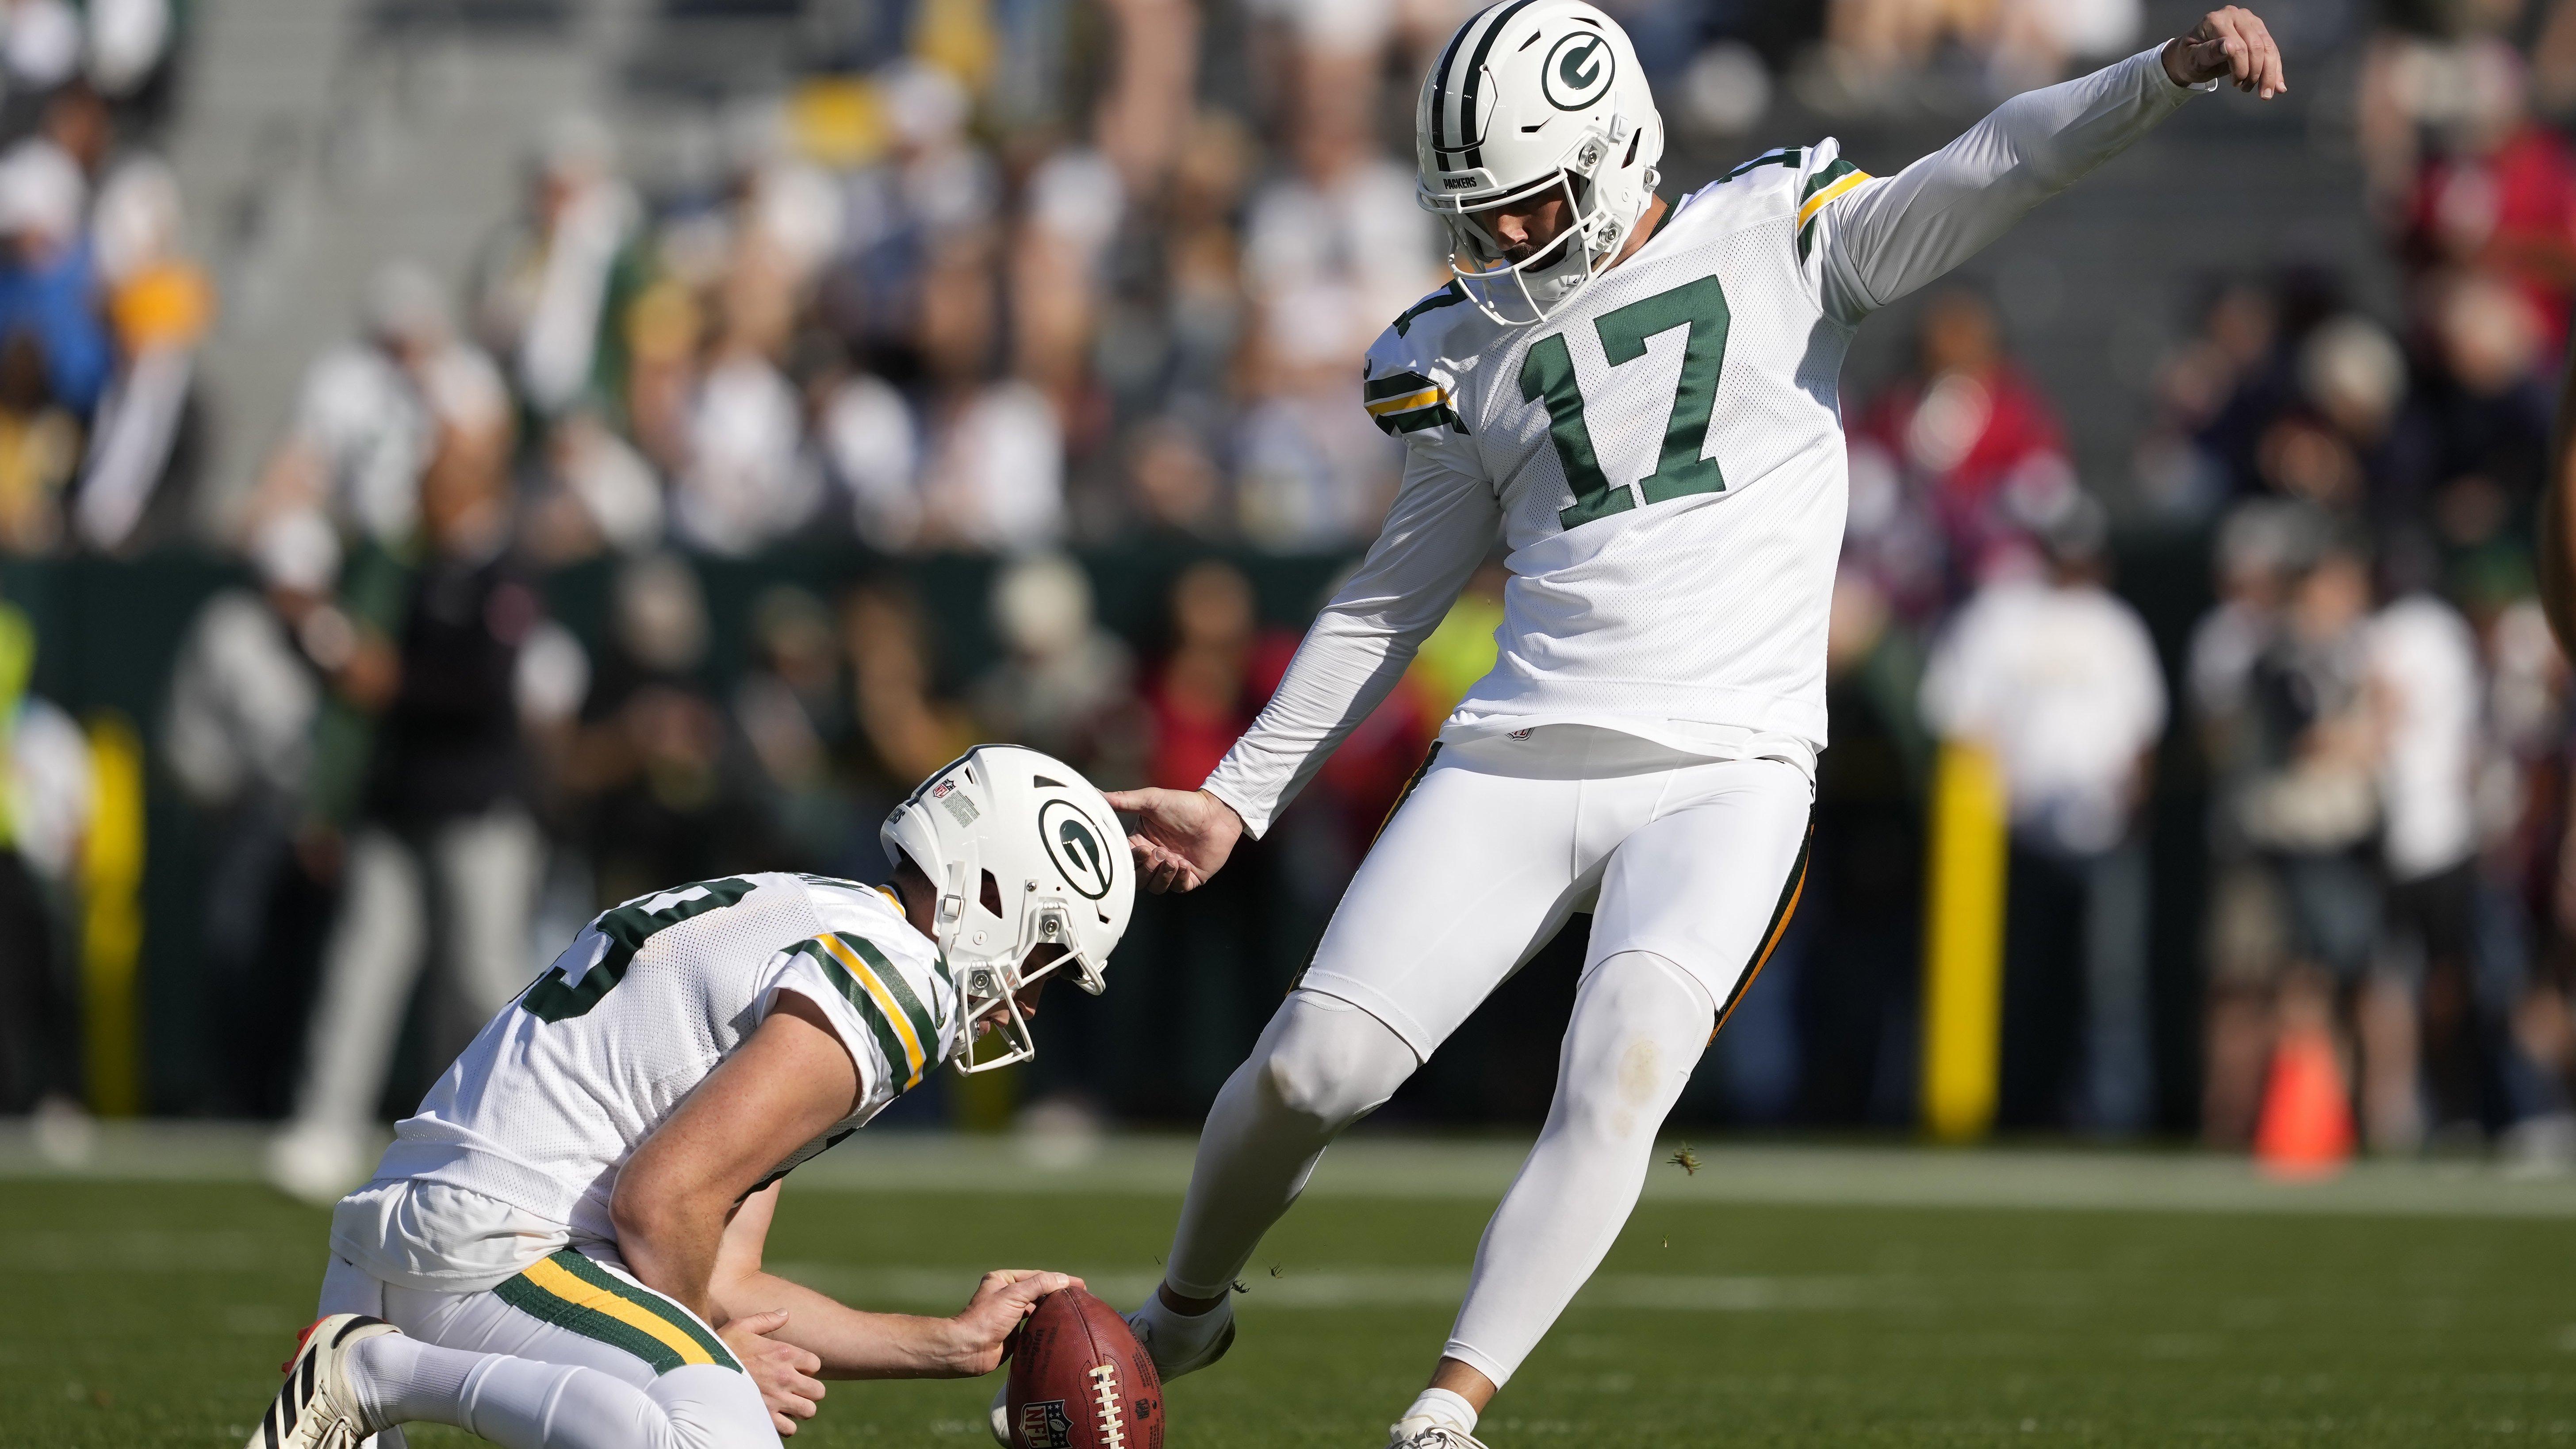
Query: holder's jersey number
{"points": [[1547, 375], [564, 992]]}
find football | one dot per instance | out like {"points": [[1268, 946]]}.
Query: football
{"points": [[1080, 1380]]}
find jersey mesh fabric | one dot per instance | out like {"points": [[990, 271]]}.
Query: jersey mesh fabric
{"points": [[1710, 606], [541, 1113], [1696, 621], [857, 919]]}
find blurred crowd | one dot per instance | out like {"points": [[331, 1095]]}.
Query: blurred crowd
{"points": [[1048, 278], [2372, 712], [456, 789], [101, 310], [101, 315], [1002, 314], [2382, 712]]}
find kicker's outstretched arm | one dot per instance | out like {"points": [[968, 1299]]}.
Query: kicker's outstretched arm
{"points": [[1438, 529], [1441, 525], [1890, 236]]}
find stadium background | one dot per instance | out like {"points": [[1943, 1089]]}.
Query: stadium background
{"points": [[916, 300], [850, 381]]}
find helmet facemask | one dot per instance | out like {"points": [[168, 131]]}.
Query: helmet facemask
{"points": [[1022, 858], [1535, 99], [1547, 280], [990, 984]]}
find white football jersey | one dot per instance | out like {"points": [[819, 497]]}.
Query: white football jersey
{"points": [[1663, 458], [559, 1088]]}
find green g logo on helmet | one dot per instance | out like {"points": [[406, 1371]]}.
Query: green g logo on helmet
{"points": [[1073, 842], [1578, 70]]}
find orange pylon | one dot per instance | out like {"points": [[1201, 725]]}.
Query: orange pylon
{"points": [[2305, 1130]]}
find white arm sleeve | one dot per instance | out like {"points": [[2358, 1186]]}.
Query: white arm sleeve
{"points": [[1441, 525], [1884, 239]]}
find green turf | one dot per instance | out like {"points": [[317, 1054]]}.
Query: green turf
{"points": [[137, 1316]]}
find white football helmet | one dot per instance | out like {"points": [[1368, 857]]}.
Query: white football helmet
{"points": [[1531, 94], [1024, 853]]}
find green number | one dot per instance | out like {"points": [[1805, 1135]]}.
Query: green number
{"points": [[558, 997], [1701, 307], [1547, 374]]}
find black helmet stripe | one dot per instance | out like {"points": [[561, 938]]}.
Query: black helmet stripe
{"points": [[1440, 87], [1458, 134], [1475, 73]]}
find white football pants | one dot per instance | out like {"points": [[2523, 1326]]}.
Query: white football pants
{"points": [[1690, 872], [571, 1354]]}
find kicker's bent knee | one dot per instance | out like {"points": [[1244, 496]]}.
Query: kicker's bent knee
{"points": [[1332, 1063], [1651, 985], [1640, 1025]]}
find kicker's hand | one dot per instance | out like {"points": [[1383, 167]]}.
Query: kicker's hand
{"points": [[1181, 837], [2228, 44], [1006, 1296], [784, 1372]]}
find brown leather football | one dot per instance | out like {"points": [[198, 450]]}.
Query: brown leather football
{"points": [[1080, 1380]]}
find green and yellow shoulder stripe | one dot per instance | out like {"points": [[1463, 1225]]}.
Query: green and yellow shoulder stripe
{"points": [[1819, 173], [1406, 401], [907, 1018], [1836, 178], [1399, 385]]}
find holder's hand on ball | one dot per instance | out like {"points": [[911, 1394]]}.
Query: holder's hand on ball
{"points": [[1004, 1298]]}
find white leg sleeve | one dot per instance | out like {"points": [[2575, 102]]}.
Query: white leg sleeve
{"points": [[525, 1403], [367, 974], [484, 1364], [1640, 1024], [1321, 1065]]}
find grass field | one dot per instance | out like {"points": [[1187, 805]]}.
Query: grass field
{"points": [[140, 1314]]}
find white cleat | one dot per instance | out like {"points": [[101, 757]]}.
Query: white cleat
{"points": [[316, 1409], [1183, 1360], [1426, 1433]]}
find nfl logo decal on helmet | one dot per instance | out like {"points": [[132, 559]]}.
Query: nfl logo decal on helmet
{"points": [[1532, 96], [1031, 870]]}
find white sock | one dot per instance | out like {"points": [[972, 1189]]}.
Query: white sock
{"points": [[1443, 1407], [1640, 1024], [1321, 1065]]}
